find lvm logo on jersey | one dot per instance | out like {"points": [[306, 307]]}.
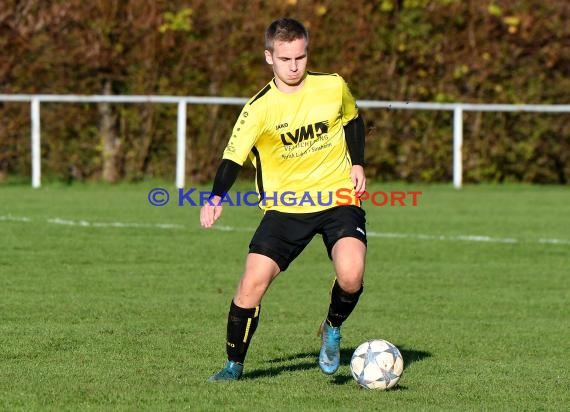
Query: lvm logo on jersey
{"points": [[303, 133]]}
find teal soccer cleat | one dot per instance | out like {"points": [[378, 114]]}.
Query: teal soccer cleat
{"points": [[231, 372], [329, 357]]}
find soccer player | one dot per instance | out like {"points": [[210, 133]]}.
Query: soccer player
{"points": [[305, 138]]}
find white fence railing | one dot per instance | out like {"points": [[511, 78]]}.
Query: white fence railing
{"points": [[183, 101]]}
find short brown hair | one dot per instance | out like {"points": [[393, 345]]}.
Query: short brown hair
{"points": [[284, 29]]}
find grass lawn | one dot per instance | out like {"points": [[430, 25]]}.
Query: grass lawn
{"points": [[109, 303]]}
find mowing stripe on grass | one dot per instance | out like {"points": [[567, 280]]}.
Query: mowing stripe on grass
{"points": [[413, 236], [85, 223], [11, 218]]}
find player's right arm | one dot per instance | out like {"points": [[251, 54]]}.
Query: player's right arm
{"points": [[243, 138], [225, 177]]}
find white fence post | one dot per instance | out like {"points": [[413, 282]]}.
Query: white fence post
{"points": [[457, 146], [181, 145], [36, 146]]}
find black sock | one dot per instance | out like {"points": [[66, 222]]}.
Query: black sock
{"points": [[242, 323], [342, 304]]}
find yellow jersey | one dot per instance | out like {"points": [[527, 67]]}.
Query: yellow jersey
{"points": [[296, 143]]}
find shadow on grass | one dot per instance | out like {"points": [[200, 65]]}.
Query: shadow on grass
{"points": [[308, 360], [297, 362]]}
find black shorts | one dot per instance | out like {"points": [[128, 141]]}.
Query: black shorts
{"points": [[283, 236]]}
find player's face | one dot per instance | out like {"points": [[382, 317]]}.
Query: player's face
{"points": [[289, 61]]}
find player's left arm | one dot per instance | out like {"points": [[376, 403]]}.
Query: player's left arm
{"points": [[355, 137]]}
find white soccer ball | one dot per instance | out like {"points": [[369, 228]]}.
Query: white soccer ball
{"points": [[377, 364]]}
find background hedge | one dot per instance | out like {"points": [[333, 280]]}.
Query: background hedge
{"points": [[497, 51]]}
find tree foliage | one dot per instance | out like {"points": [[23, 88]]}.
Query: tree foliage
{"points": [[495, 51]]}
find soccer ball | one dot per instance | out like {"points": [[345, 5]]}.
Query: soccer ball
{"points": [[377, 364]]}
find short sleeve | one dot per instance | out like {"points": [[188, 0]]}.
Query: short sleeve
{"points": [[349, 107], [244, 135]]}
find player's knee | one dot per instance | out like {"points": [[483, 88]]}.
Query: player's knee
{"points": [[350, 275], [253, 284], [350, 283]]}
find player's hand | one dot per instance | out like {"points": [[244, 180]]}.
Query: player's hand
{"points": [[210, 212], [358, 178]]}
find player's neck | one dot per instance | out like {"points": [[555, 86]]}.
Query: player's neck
{"points": [[288, 88]]}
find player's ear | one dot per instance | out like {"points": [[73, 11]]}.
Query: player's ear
{"points": [[268, 57]]}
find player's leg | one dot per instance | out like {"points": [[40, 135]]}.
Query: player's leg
{"points": [[348, 256], [345, 238], [243, 316], [260, 271], [245, 308], [277, 242]]}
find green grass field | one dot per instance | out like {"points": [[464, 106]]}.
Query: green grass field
{"points": [[109, 303]]}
